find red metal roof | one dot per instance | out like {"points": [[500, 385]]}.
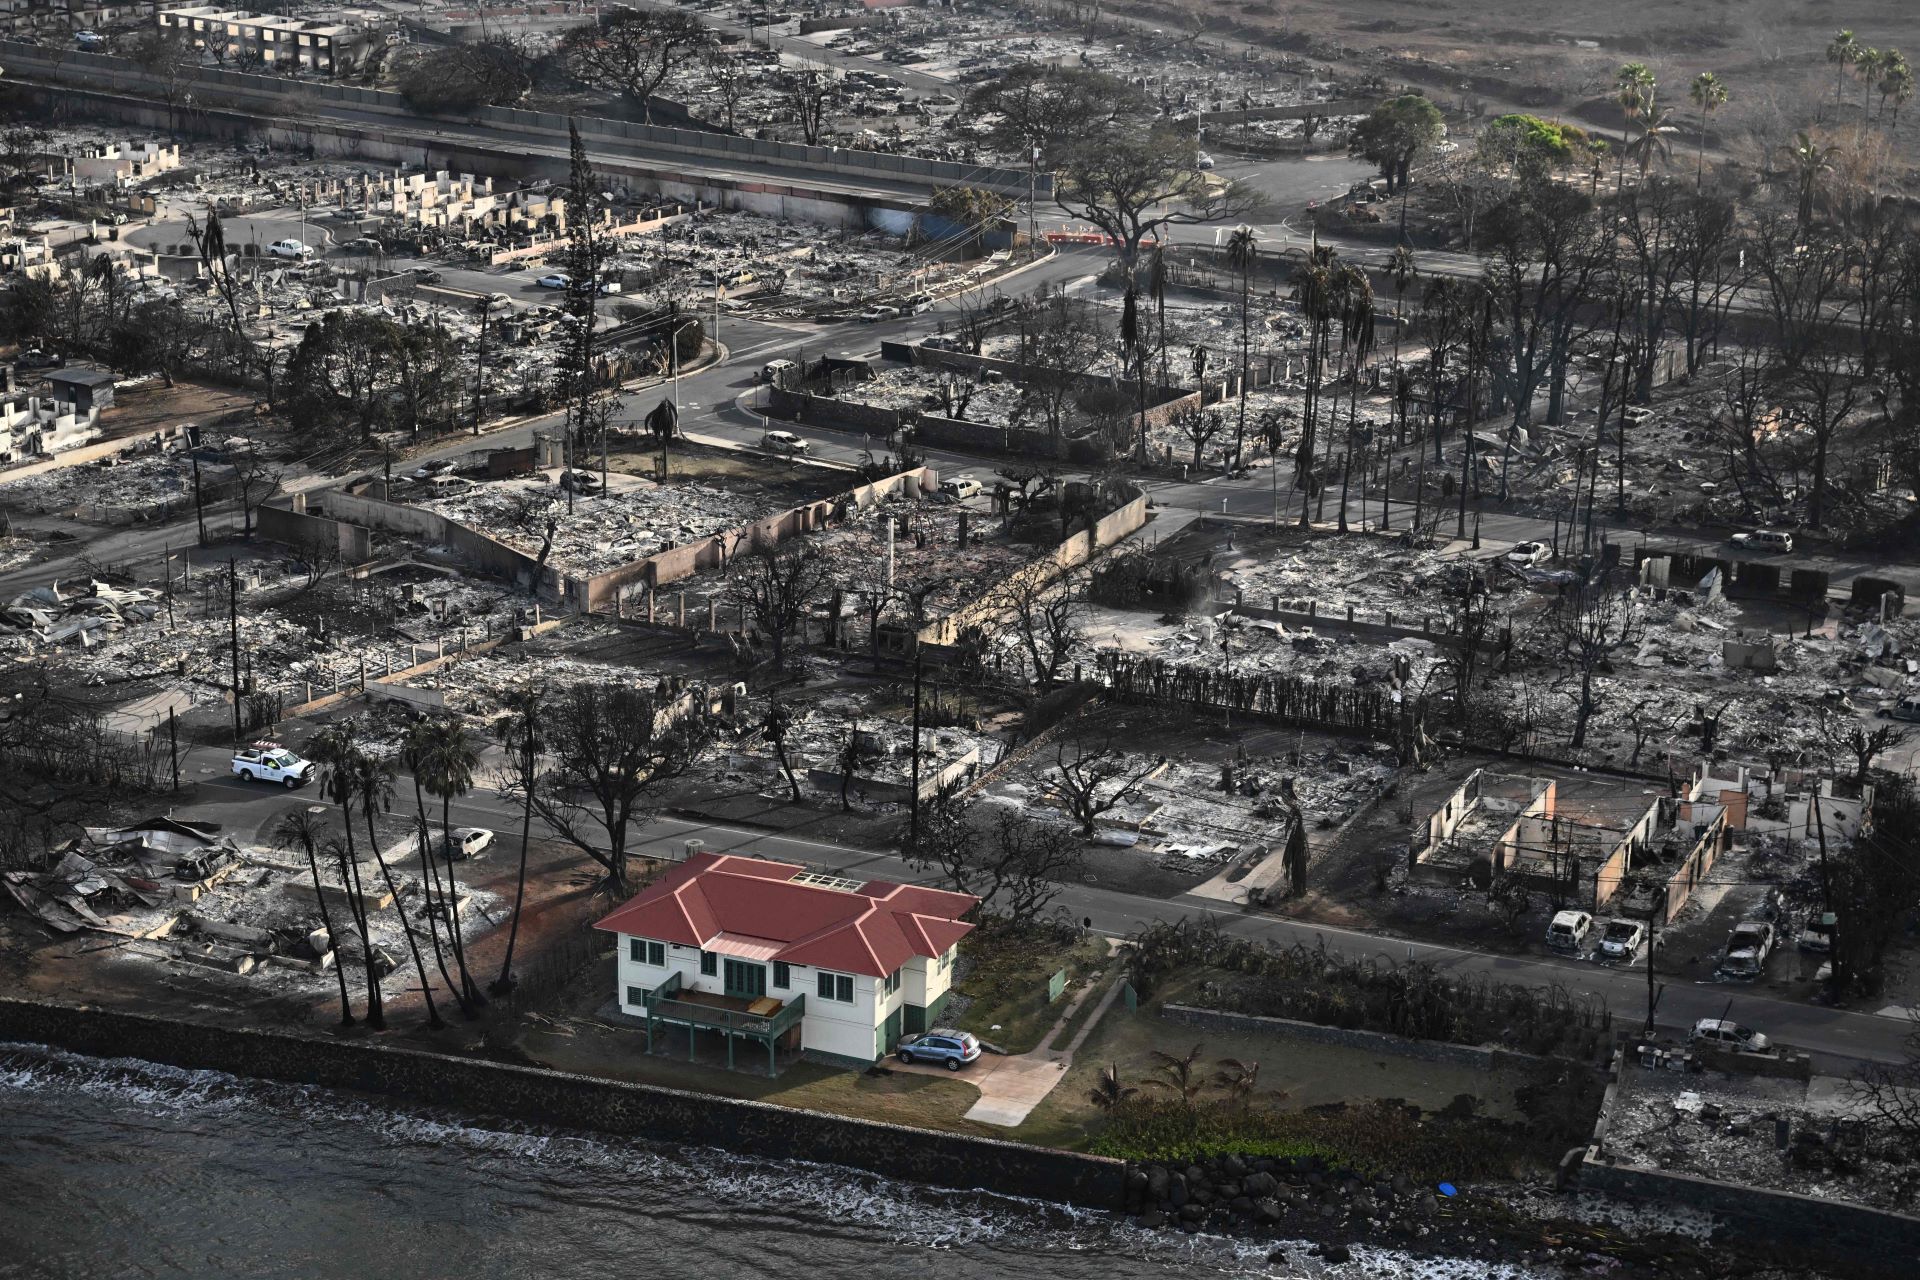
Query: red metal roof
{"points": [[871, 930]]}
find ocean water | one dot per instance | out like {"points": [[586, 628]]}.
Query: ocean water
{"points": [[116, 1168]]}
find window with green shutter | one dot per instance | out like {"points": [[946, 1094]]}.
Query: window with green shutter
{"points": [[709, 963], [641, 951], [656, 954], [837, 987], [782, 975]]}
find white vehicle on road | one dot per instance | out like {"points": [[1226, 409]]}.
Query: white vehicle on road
{"points": [[288, 249], [783, 442], [466, 843], [1529, 553], [271, 762], [555, 281]]}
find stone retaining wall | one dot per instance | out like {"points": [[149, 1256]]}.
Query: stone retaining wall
{"points": [[578, 1102], [1852, 1238]]}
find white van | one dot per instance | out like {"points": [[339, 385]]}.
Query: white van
{"points": [[1766, 540]]}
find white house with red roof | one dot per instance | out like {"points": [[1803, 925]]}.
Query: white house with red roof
{"points": [[776, 955]]}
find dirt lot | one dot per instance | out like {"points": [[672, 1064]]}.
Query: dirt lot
{"points": [[1296, 1075]]}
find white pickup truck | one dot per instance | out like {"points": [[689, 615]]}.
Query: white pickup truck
{"points": [[265, 762]]}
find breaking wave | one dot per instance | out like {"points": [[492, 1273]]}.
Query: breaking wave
{"points": [[808, 1212]]}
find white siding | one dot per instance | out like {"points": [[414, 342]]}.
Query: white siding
{"points": [[847, 1030], [926, 980], [843, 1029]]}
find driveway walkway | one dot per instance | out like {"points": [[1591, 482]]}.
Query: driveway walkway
{"points": [[1012, 1085]]}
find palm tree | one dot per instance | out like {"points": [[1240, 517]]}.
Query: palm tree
{"points": [[373, 785], [297, 827], [1157, 290], [1313, 293], [522, 741], [1633, 88], [1239, 1079], [1133, 356], [1243, 254], [1899, 86], [1708, 94], [445, 769], [1893, 72], [1653, 140], [1867, 65], [1354, 298], [414, 751], [1108, 1093], [1842, 51], [1180, 1079], [1810, 161], [1402, 270], [336, 748]]}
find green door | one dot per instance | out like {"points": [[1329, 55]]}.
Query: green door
{"points": [[890, 1032], [748, 981]]}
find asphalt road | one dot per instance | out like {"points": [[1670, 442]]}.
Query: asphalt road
{"points": [[1836, 1037]]}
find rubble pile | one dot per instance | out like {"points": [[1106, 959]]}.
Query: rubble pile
{"points": [[778, 268], [297, 640], [133, 482], [1812, 1138], [636, 518], [818, 736]]}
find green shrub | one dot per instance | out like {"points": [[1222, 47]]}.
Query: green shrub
{"points": [[1378, 1139]]}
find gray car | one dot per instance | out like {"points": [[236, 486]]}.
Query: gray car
{"points": [[952, 1049]]}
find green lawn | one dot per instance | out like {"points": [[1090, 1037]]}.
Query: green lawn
{"points": [[1005, 979]]}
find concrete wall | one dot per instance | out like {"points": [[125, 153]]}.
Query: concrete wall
{"points": [[1081, 547], [578, 1102], [295, 528], [602, 591], [432, 527]]}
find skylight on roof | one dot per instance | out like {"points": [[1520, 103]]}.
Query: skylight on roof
{"points": [[839, 884]]}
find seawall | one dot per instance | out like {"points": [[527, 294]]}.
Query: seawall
{"points": [[537, 1096]]}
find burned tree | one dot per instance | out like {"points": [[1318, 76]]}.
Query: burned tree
{"points": [[631, 52], [1015, 864], [610, 750], [1045, 617], [1199, 426], [1593, 626], [1137, 182], [778, 586], [1089, 781]]}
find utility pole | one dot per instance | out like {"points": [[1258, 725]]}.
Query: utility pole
{"points": [[480, 370], [1653, 991], [1033, 200], [1826, 889], [173, 748], [914, 820], [233, 630]]}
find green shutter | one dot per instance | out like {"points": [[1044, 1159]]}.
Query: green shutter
{"points": [[782, 975], [709, 963]]}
